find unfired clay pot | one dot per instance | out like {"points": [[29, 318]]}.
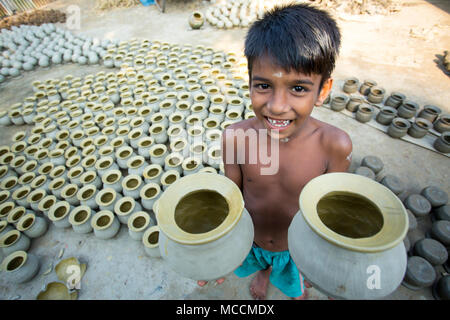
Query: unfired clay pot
{"points": [[199, 244], [352, 254], [19, 267]]}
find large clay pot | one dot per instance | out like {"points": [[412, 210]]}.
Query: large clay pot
{"points": [[205, 231], [19, 267], [364, 261]]}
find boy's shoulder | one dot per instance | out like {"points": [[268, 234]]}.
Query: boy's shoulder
{"points": [[336, 141]]}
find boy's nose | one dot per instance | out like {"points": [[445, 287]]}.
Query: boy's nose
{"points": [[278, 104]]}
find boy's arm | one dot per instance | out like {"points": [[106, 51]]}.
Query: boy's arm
{"points": [[229, 151], [340, 148]]}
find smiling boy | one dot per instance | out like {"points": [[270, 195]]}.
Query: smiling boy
{"points": [[291, 54]]}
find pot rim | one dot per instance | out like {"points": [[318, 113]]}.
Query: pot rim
{"points": [[75, 211], [99, 215], [147, 234], [135, 215], [164, 207], [7, 235], [148, 186], [120, 202], [395, 219], [22, 220], [59, 204], [98, 197], [11, 257]]}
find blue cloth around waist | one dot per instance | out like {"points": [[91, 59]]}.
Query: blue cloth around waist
{"points": [[284, 275]]}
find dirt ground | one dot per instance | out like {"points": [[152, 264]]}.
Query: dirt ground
{"points": [[400, 51]]}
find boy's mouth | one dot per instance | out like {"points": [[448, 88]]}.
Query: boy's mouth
{"points": [[278, 124]]}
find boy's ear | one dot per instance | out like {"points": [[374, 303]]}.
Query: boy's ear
{"points": [[324, 92]]}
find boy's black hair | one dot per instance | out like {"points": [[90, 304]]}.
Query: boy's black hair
{"points": [[295, 36]]}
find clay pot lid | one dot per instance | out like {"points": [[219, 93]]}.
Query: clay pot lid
{"points": [[395, 219], [440, 230], [419, 272], [165, 207], [418, 205], [431, 250]]}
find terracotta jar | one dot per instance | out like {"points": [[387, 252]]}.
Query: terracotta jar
{"points": [[398, 128], [420, 128], [364, 250], [408, 109], [365, 113], [395, 100], [386, 115], [376, 94], [351, 85], [442, 143], [442, 124], [199, 244]]}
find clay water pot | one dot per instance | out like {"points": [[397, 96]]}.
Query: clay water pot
{"points": [[365, 113], [442, 143], [338, 102], [196, 20], [395, 100], [375, 240], [149, 194], [353, 103], [408, 109], [113, 179], [365, 87], [430, 113], [20, 267], [46, 203], [59, 214], [138, 223], [386, 115], [150, 239], [107, 198], [124, 207], [152, 174], [442, 124], [14, 240], [376, 94], [199, 243], [80, 219], [105, 224], [32, 225], [351, 85], [398, 128], [419, 128]]}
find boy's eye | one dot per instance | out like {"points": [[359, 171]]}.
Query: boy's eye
{"points": [[262, 86], [298, 89]]}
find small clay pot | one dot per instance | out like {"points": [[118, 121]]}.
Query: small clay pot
{"points": [[353, 103], [376, 94], [32, 225], [365, 113], [365, 87], [338, 102], [125, 207], [80, 219], [150, 239], [435, 195], [430, 113], [442, 124], [419, 273], [408, 109], [395, 100], [59, 214], [418, 205], [14, 240], [440, 231], [420, 128], [196, 20], [105, 224], [398, 128], [442, 143], [431, 250], [138, 223], [20, 267], [351, 85], [393, 183]]}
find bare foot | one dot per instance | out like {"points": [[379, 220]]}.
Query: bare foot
{"points": [[202, 283], [258, 286]]}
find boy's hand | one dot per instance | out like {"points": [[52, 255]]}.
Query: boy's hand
{"points": [[202, 283]]}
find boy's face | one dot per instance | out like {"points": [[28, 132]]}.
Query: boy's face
{"points": [[283, 101]]}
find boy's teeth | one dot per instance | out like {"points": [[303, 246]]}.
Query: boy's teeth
{"points": [[279, 123]]}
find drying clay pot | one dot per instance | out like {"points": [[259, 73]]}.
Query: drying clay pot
{"points": [[19, 267], [338, 102], [125, 207], [395, 100], [442, 143], [393, 183], [150, 239], [59, 214], [365, 87], [430, 113], [364, 113], [350, 255], [351, 85], [138, 223], [440, 231], [80, 219], [436, 196], [419, 128], [431, 250], [418, 205], [149, 194], [376, 94], [14, 240], [105, 224], [33, 226], [398, 128], [408, 109], [419, 273], [442, 124], [199, 246], [353, 103], [4, 228], [196, 20]]}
